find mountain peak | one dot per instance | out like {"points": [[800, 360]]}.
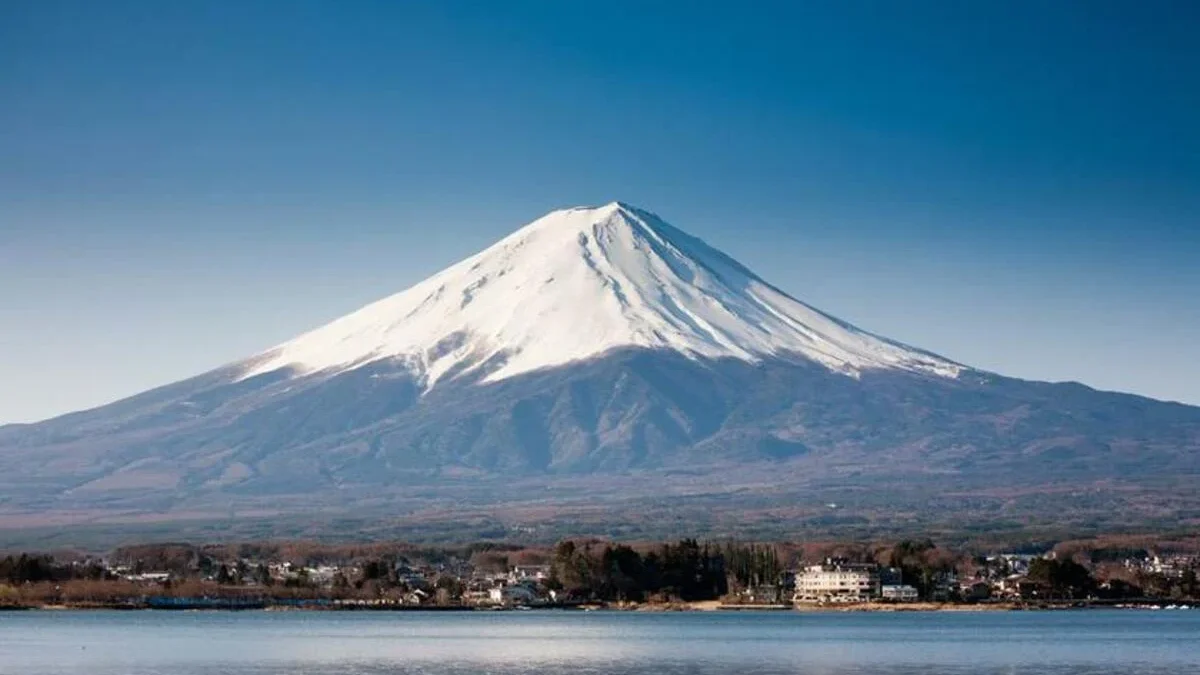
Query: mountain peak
{"points": [[613, 208], [628, 209], [580, 218], [580, 282], [607, 208]]}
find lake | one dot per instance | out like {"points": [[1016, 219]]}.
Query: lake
{"points": [[593, 643]]}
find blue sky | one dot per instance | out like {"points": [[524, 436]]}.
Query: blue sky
{"points": [[1015, 185]]}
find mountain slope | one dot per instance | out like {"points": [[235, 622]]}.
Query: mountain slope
{"points": [[595, 364]]}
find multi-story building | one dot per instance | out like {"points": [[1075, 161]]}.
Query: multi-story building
{"points": [[898, 593], [836, 581]]}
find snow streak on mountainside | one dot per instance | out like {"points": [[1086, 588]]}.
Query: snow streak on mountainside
{"points": [[579, 283]]}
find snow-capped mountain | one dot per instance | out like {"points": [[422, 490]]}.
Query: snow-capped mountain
{"points": [[576, 284], [600, 359]]}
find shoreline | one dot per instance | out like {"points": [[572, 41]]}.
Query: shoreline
{"points": [[690, 607]]}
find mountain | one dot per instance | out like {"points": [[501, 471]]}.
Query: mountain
{"points": [[600, 370]]}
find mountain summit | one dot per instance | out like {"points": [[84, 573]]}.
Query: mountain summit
{"points": [[594, 370], [577, 283]]}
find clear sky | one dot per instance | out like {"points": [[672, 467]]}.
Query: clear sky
{"points": [[1015, 185]]}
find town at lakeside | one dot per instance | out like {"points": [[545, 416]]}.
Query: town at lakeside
{"points": [[590, 574]]}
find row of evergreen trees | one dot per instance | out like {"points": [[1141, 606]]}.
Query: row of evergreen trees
{"points": [[27, 568], [753, 565], [687, 571]]}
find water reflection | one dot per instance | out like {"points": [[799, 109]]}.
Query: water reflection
{"points": [[149, 643]]}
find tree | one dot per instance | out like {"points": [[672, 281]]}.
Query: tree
{"points": [[449, 589], [1188, 584], [752, 566], [686, 570], [374, 570], [1062, 579], [490, 561], [262, 575], [31, 569], [571, 568], [622, 574], [921, 564]]}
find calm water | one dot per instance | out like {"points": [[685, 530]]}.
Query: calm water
{"points": [[264, 643]]}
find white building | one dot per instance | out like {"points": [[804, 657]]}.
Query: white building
{"points": [[321, 575], [416, 597], [898, 593], [156, 577], [521, 573], [517, 594], [837, 582]]}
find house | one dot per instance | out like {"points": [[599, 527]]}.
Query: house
{"points": [[837, 582], [516, 594], [1013, 563], [151, 577], [898, 593], [477, 596], [767, 594], [975, 590], [529, 573], [417, 597], [413, 580], [1010, 586], [321, 575], [945, 584]]}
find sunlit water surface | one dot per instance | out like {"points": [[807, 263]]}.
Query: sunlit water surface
{"points": [[269, 643]]}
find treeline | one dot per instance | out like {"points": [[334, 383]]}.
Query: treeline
{"points": [[121, 593], [1065, 580], [754, 565], [32, 569], [687, 571], [184, 558]]}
